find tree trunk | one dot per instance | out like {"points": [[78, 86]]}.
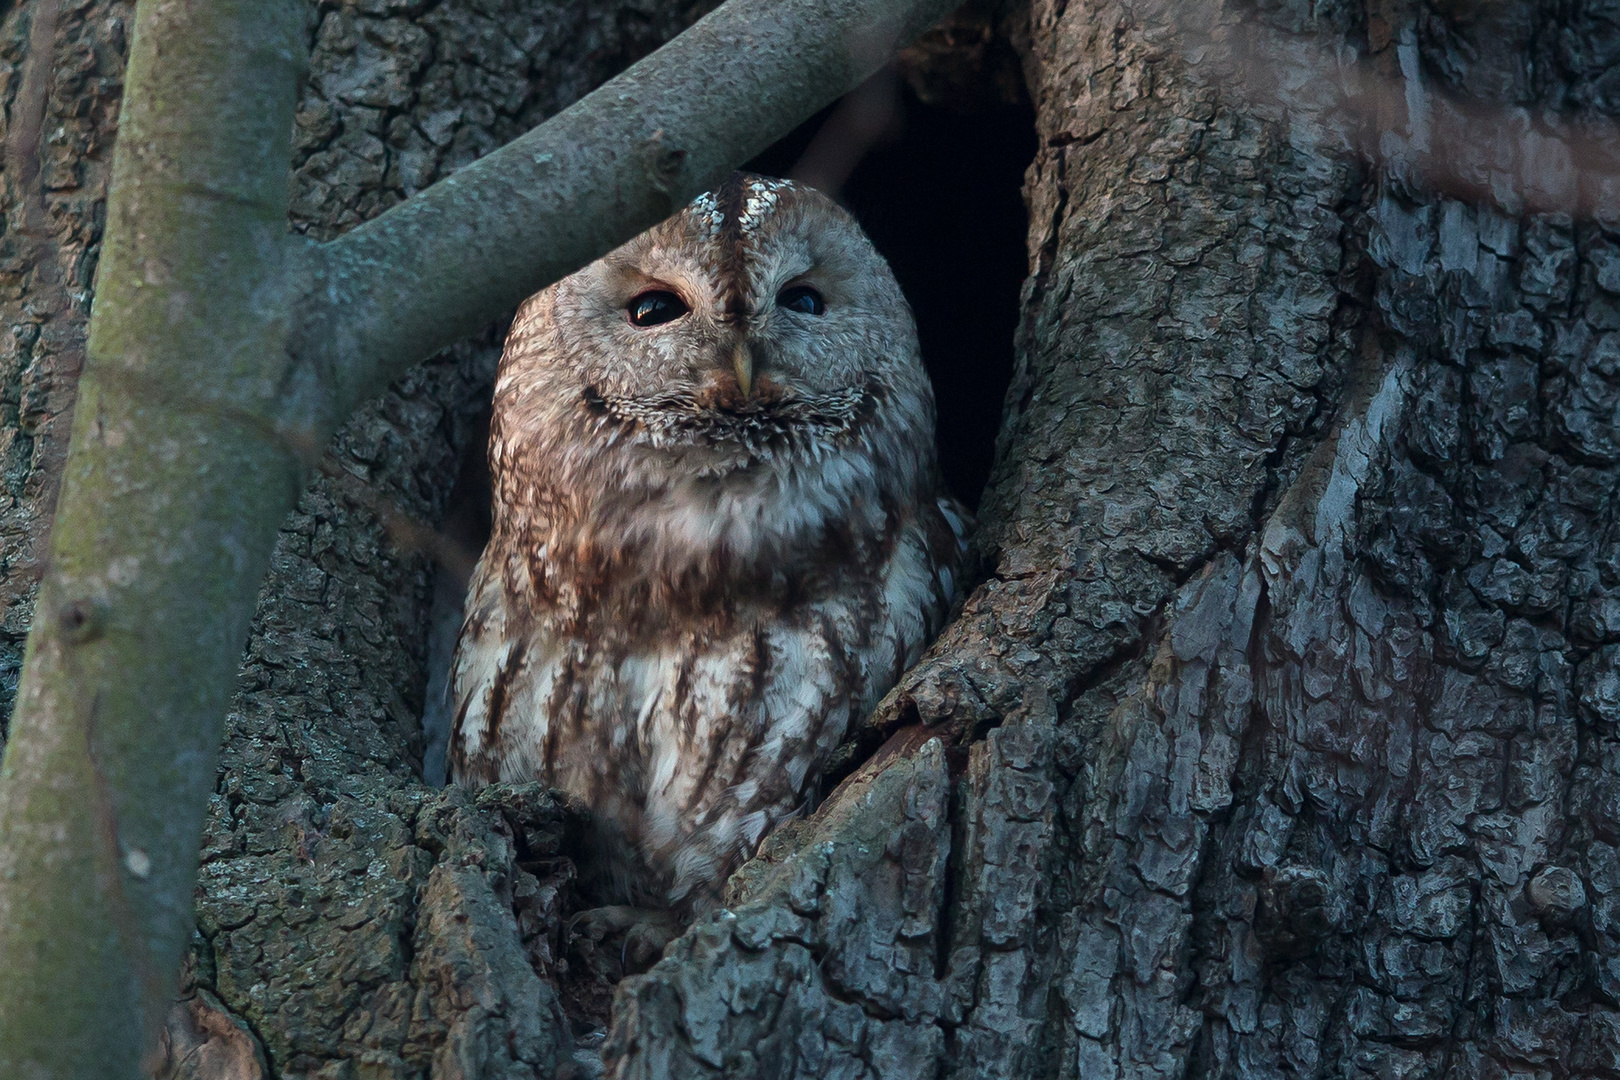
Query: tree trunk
{"points": [[1289, 698], [1280, 736]]}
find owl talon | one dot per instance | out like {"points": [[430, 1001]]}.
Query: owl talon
{"points": [[642, 934]]}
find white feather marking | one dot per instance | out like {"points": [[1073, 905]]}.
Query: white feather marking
{"points": [[761, 203], [753, 826]]}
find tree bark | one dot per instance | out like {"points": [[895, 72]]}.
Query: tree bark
{"points": [[1289, 694], [1279, 737]]}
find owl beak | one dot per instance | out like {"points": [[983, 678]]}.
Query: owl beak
{"points": [[742, 362]]}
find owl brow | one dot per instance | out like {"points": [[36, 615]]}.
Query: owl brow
{"points": [[729, 218], [732, 249], [634, 280]]}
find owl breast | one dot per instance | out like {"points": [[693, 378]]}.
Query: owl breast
{"points": [[716, 543]]}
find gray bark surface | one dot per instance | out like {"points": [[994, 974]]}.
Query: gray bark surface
{"points": [[1281, 736], [1292, 648], [823, 964]]}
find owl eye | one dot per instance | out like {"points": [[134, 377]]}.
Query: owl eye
{"points": [[803, 299], [656, 307]]}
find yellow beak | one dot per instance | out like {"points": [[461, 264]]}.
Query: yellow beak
{"points": [[742, 362]]}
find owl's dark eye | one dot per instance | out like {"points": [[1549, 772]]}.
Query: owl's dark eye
{"points": [[656, 307], [803, 299]]}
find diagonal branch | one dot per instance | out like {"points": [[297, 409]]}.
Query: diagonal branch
{"points": [[437, 267]]}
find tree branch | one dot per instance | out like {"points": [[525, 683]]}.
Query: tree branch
{"points": [[172, 494], [437, 267]]}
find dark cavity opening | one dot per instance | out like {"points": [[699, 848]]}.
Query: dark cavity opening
{"points": [[939, 189]]}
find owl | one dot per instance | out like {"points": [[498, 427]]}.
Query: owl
{"points": [[719, 533]]}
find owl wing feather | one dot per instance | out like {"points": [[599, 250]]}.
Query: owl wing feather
{"points": [[698, 746]]}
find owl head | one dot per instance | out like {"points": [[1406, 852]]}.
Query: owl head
{"points": [[729, 381]]}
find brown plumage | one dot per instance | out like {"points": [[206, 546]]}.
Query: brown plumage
{"points": [[719, 533]]}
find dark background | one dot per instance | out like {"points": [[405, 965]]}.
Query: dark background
{"points": [[941, 197]]}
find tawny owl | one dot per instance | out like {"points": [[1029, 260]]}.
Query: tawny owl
{"points": [[719, 532]]}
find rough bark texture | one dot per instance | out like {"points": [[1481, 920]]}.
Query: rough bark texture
{"points": [[1280, 738], [823, 964], [1299, 560]]}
